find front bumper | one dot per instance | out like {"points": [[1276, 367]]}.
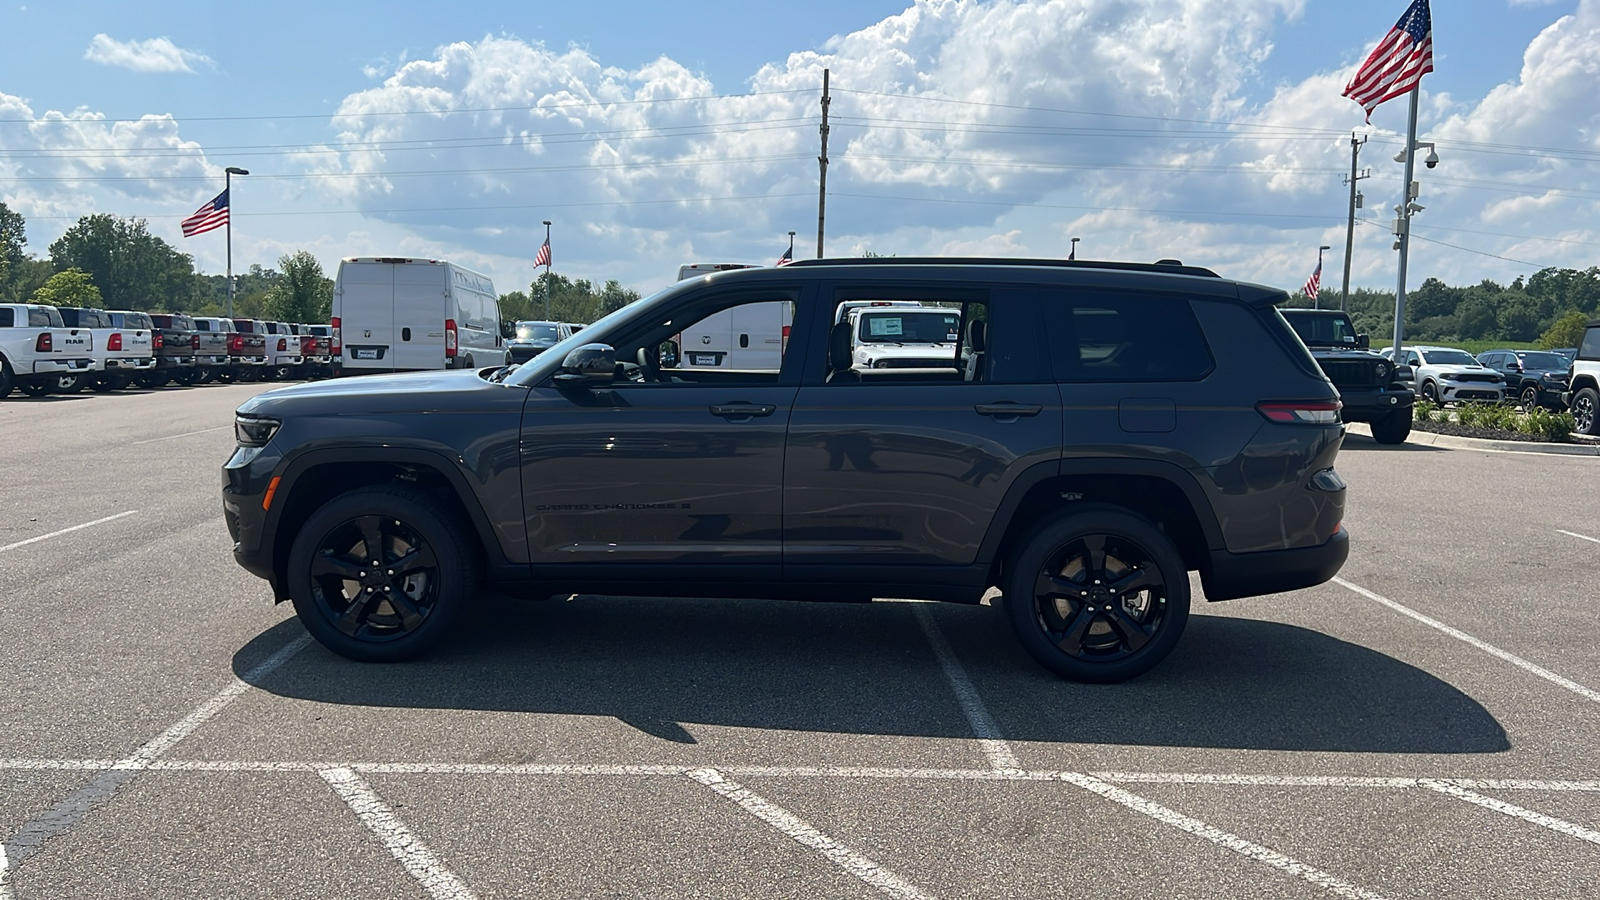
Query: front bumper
{"points": [[1370, 404], [1463, 391], [1234, 575]]}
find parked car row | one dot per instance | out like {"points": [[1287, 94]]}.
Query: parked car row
{"points": [[529, 339], [46, 349]]}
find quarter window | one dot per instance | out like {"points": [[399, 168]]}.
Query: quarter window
{"points": [[1116, 336], [1591, 344]]}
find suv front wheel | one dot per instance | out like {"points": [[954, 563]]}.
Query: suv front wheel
{"points": [[380, 574], [1098, 595]]}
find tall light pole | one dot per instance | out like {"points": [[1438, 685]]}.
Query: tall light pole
{"points": [[227, 180], [1404, 210], [1074, 252], [547, 260], [1355, 203], [1316, 302]]}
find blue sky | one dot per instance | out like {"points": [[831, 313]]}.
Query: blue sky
{"points": [[963, 128]]}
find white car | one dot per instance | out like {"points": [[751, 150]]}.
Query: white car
{"points": [[1447, 375], [897, 337]]}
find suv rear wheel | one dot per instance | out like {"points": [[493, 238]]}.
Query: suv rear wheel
{"points": [[380, 574], [1098, 595], [1584, 407]]}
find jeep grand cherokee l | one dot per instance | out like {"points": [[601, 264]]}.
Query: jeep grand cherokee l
{"points": [[1096, 432]]}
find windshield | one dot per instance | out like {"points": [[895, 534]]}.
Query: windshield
{"points": [[1544, 361], [908, 328], [536, 331], [1325, 331], [1448, 358]]}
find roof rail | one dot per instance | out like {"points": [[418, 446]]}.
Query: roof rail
{"points": [[1166, 265]]}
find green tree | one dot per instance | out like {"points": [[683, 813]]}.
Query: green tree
{"points": [[13, 238], [301, 294], [133, 268], [71, 287], [1566, 332]]}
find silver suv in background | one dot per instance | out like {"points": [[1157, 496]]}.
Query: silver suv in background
{"points": [[1447, 375], [1583, 395]]}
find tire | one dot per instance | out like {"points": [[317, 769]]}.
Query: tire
{"points": [[37, 388], [327, 580], [209, 375], [66, 384], [1094, 636], [8, 380], [1586, 410], [225, 376], [102, 384], [1393, 428], [1430, 393]]}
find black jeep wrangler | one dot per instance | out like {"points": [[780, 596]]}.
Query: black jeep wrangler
{"points": [[1098, 431], [1369, 387]]}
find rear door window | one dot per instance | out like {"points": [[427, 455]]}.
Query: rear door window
{"points": [[1124, 336]]}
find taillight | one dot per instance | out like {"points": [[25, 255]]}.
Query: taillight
{"points": [[45, 344], [115, 341], [283, 345], [1303, 412], [194, 342], [449, 337], [337, 348], [157, 342], [236, 344]]}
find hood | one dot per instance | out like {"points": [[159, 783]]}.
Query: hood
{"points": [[373, 394], [1455, 369]]}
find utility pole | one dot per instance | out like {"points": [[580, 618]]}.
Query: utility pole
{"points": [[1355, 203], [822, 181]]}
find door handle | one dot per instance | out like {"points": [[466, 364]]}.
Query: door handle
{"points": [[1008, 409], [743, 410]]}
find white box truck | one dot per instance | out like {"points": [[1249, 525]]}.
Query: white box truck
{"points": [[399, 314]]}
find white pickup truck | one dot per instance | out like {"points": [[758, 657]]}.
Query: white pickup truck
{"points": [[39, 353], [122, 354]]}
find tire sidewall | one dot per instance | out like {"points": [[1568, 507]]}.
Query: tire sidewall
{"points": [[1594, 408], [439, 529], [1022, 572], [1386, 433]]}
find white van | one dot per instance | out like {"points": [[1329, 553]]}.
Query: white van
{"points": [[396, 314], [748, 338]]}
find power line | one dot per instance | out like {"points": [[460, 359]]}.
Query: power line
{"points": [[517, 206]]}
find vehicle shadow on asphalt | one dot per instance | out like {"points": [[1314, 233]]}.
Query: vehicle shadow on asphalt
{"points": [[868, 669], [1354, 441]]}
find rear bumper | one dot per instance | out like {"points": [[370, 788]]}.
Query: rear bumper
{"points": [[130, 364], [1235, 575], [63, 366], [175, 362]]}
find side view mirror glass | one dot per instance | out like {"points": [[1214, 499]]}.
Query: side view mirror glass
{"points": [[669, 354], [592, 365], [1362, 342]]}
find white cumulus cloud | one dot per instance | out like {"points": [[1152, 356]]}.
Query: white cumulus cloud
{"points": [[154, 55]]}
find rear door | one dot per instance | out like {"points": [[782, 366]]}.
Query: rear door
{"points": [[366, 307], [419, 313]]}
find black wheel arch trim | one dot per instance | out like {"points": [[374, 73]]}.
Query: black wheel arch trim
{"points": [[1039, 473], [292, 469]]}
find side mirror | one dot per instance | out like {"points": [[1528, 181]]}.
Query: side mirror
{"points": [[668, 354], [589, 366], [1362, 342], [1514, 367]]}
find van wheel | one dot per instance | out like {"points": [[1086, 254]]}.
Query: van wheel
{"points": [[380, 574], [1099, 595]]}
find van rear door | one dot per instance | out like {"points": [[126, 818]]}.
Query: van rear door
{"points": [[366, 306], [419, 314]]}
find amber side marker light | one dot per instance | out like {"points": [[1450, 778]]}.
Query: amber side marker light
{"points": [[272, 488]]}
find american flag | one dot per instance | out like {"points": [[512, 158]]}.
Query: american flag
{"points": [[1314, 282], [1398, 63], [213, 215], [786, 258], [543, 259]]}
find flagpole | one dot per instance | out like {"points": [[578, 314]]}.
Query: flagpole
{"points": [[1403, 224], [227, 180]]}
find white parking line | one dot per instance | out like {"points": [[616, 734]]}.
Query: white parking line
{"points": [[46, 537], [1462, 636], [1221, 838], [1581, 537], [797, 829], [983, 726], [1511, 809], [172, 437], [401, 843], [989, 739], [70, 811]]}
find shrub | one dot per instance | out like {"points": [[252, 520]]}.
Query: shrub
{"points": [[1425, 411], [1551, 426]]}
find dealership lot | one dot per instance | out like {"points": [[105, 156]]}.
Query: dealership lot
{"points": [[1427, 726]]}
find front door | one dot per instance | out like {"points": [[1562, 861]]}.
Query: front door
{"points": [[670, 465]]}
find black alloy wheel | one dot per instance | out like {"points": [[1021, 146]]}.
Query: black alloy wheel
{"points": [[379, 574], [1584, 405], [1430, 393], [1099, 595], [1529, 398]]}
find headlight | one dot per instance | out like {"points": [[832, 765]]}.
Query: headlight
{"points": [[1383, 371], [252, 431], [1450, 376]]}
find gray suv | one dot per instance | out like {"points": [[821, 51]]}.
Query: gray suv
{"points": [[1097, 431]]}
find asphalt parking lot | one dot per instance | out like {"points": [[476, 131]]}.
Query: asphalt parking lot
{"points": [[1426, 726]]}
